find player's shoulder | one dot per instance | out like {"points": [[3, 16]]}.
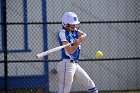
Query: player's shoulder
{"points": [[62, 31]]}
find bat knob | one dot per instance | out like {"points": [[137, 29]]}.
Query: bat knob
{"points": [[37, 57]]}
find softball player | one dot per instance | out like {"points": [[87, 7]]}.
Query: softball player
{"points": [[69, 69]]}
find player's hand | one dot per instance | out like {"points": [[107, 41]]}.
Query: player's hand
{"points": [[83, 38], [78, 41]]}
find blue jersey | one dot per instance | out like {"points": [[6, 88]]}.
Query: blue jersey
{"points": [[69, 37]]}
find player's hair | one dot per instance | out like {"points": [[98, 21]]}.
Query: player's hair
{"points": [[66, 26]]}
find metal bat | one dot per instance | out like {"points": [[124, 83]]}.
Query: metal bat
{"points": [[51, 51]]}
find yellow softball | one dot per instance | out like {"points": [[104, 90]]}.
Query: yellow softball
{"points": [[99, 54]]}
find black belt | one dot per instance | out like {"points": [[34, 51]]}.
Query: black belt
{"points": [[74, 61]]}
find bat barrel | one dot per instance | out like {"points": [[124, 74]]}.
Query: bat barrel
{"points": [[51, 51]]}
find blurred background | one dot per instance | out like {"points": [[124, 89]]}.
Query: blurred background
{"points": [[29, 27]]}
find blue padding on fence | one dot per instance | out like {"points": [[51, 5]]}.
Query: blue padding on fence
{"points": [[35, 81], [25, 30], [45, 42], [2, 28], [1, 83], [25, 25], [25, 82]]}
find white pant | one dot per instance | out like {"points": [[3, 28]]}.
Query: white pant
{"points": [[67, 72]]}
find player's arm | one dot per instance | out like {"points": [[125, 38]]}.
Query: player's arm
{"points": [[82, 35], [71, 49]]}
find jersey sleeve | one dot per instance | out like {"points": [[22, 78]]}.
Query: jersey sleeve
{"points": [[62, 35]]}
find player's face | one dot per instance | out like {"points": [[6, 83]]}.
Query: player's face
{"points": [[72, 27]]}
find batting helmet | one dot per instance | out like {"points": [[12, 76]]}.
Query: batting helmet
{"points": [[69, 18]]}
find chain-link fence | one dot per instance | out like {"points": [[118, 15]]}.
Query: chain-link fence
{"points": [[31, 27]]}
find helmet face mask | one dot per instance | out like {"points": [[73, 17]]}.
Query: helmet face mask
{"points": [[69, 18]]}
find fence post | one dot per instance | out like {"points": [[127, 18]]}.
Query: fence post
{"points": [[5, 47], [45, 42]]}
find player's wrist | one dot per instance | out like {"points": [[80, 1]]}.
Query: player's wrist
{"points": [[77, 41], [80, 40]]}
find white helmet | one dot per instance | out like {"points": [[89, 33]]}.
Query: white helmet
{"points": [[69, 18]]}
